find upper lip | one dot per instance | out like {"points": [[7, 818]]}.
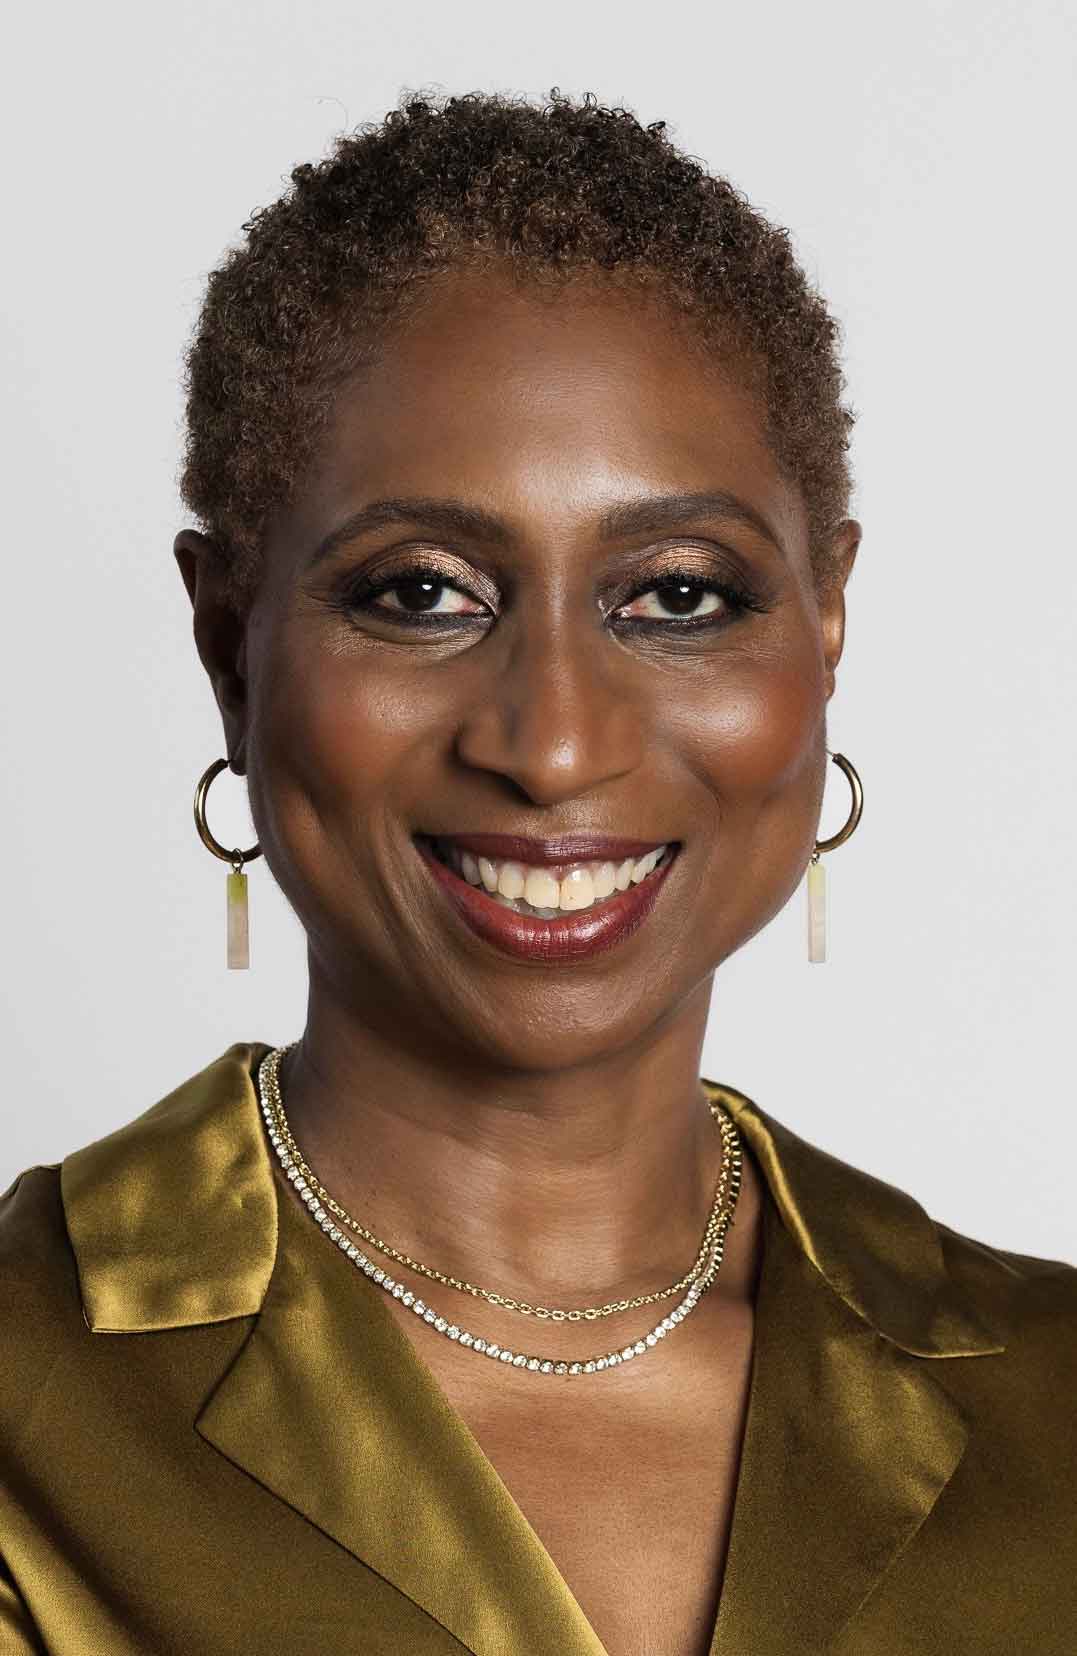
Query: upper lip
{"points": [[551, 853]]}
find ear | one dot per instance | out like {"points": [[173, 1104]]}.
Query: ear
{"points": [[220, 635], [839, 565]]}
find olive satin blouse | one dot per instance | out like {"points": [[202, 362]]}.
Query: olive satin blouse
{"points": [[215, 1438]]}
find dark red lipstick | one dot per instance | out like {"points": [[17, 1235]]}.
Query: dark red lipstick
{"points": [[564, 851], [572, 936]]}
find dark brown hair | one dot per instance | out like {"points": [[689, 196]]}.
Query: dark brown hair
{"points": [[553, 190]]}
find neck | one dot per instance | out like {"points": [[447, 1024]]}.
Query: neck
{"points": [[563, 1187]]}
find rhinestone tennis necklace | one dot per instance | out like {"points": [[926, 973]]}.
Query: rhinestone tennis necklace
{"points": [[314, 1197], [270, 1076]]}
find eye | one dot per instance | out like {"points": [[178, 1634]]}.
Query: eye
{"points": [[675, 599], [420, 595], [683, 601]]}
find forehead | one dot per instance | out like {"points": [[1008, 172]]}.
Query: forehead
{"points": [[547, 406]]}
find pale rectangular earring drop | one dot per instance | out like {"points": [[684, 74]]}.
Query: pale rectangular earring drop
{"points": [[816, 910], [239, 946]]}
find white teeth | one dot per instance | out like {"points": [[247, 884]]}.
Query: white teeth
{"points": [[511, 880], [541, 890], [605, 878], [641, 869], [577, 889], [538, 890]]}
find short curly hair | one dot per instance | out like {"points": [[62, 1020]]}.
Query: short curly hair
{"points": [[553, 189]]}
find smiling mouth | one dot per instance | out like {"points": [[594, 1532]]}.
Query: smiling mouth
{"points": [[550, 893]]}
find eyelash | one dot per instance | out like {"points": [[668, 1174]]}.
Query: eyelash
{"points": [[738, 598]]}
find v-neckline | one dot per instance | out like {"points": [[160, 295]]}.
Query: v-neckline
{"points": [[424, 1379]]}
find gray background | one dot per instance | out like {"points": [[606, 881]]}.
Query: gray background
{"points": [[921, 156]]}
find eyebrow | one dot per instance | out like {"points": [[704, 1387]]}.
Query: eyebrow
{"points": [[628, 517]]}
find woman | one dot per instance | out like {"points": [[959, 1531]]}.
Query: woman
{"points": [[518, 448]]}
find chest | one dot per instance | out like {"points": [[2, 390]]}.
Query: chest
{"points": [[629, 1483]]}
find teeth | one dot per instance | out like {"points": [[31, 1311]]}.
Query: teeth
{"points": [[577, 889], [511, 880], [605, 881], [541, 890], [641, 869], [538, 890]]}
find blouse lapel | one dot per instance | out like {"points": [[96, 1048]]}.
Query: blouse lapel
{"points": [[848, 1443], [850, 1438], [175, 1220], [329, 1407]]}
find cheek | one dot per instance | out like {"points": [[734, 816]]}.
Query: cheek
{"points": [[756, 736], [336, 757], [753, 745], [342, 728], [328, 741]]}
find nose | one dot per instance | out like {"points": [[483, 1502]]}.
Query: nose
{"points": [[559, 719]]}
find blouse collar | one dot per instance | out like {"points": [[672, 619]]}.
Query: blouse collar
{"points": [[173, 1219]]}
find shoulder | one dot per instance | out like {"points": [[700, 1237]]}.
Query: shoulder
{"points": [[1032, 1300], [166, 1221], [36, 1261], [1018, 1401], [39, 1289], [924, 1286]]}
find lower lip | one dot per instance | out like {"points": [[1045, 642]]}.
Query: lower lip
{"points": [[575, 937]]}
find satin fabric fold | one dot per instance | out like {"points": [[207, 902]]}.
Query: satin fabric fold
{"points": [[215, 1437]]}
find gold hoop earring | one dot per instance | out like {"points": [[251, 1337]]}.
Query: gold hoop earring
{"points": [[816, 871], [239, 945]]}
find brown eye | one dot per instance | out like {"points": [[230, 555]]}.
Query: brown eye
{"points": [[424, 595], [667, 600], [418, 596]]}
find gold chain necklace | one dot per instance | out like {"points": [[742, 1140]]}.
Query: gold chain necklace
{"points": [[720, 1215]]}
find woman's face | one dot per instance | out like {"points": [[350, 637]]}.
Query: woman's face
{"points": [[558, 643]]}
